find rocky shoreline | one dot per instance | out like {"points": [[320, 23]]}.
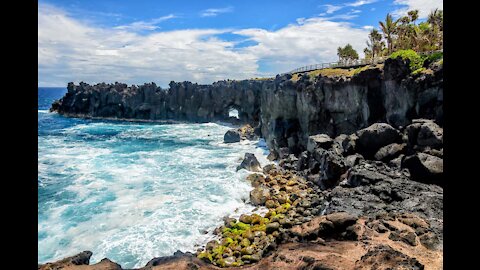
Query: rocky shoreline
{"points": [[359, 181]]}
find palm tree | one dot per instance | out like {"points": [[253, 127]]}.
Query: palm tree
{"points": [[435, 19], [389, 28], [413, 14], [375, 43], [420, 37]]}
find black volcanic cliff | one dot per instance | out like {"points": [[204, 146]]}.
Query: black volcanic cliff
{"points": [[287, 111]]}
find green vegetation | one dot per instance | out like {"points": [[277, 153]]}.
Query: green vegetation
{"points": [[262, 79], [347, 54], [417, 71], [389, 28], [405, 34], [335, 72], [416, 61], [375, 45], [402, 37], [434, 57]]}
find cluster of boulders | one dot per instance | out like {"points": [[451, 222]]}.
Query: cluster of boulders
{"points": [[290, 201], [245, 132], [417, 148]]}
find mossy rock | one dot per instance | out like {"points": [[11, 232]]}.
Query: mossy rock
{"points": [[245, 242], [205, 255], [248, 234], [258, 228], [247, 219], [256, 219], [270, 204]]}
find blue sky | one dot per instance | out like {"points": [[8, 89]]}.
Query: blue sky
{"points": [[201, 41]]}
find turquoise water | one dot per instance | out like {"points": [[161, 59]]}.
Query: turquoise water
{"points": [[133, 191]]}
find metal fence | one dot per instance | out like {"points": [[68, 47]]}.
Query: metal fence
{"points": [[346, 64]]}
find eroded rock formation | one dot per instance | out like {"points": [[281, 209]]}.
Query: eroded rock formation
{"points": [[287, 111]]}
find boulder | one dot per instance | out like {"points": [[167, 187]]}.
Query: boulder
{"points": [[424, 133], [346, 144], [404, 236], [259, 195], [372, 138], [247, 219], [341, 220], [302, 161], [429, 240], [353, 160], [272, 155], [389, 152], [256, 179], [318, 226], [269, 167], [283, 152], [271, 227], [250, 163], [231, 136], [430, 134], [425, 168], [247, 132], [320, 140], [397, 162], [332, 166]]}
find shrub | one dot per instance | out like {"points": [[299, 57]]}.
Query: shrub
{"points": [[432, 58], [416, 61], [420, 70]]}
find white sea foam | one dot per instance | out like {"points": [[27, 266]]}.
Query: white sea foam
{"points": [[131, 192]]}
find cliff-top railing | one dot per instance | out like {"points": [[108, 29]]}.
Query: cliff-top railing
{"points": [[347, 64]]}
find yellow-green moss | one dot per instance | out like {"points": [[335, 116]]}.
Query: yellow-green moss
{"points": [[331, 72], [205, 255], [418, 71]]}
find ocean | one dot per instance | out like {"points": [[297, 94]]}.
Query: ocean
{"points": [[134, 191]]}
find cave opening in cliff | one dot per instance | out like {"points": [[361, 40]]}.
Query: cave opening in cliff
{"points": [[232, 112]]}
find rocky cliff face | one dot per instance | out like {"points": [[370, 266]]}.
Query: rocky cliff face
{"points": [[183, 101], [287, 111], [290, 112]]}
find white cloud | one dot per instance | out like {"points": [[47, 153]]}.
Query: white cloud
{"points": [[314, 41], [145, 25], [73, 50], [212, 12], [345, 16], [361, 3], [333, 8], [368, 27], [424, 7]]}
